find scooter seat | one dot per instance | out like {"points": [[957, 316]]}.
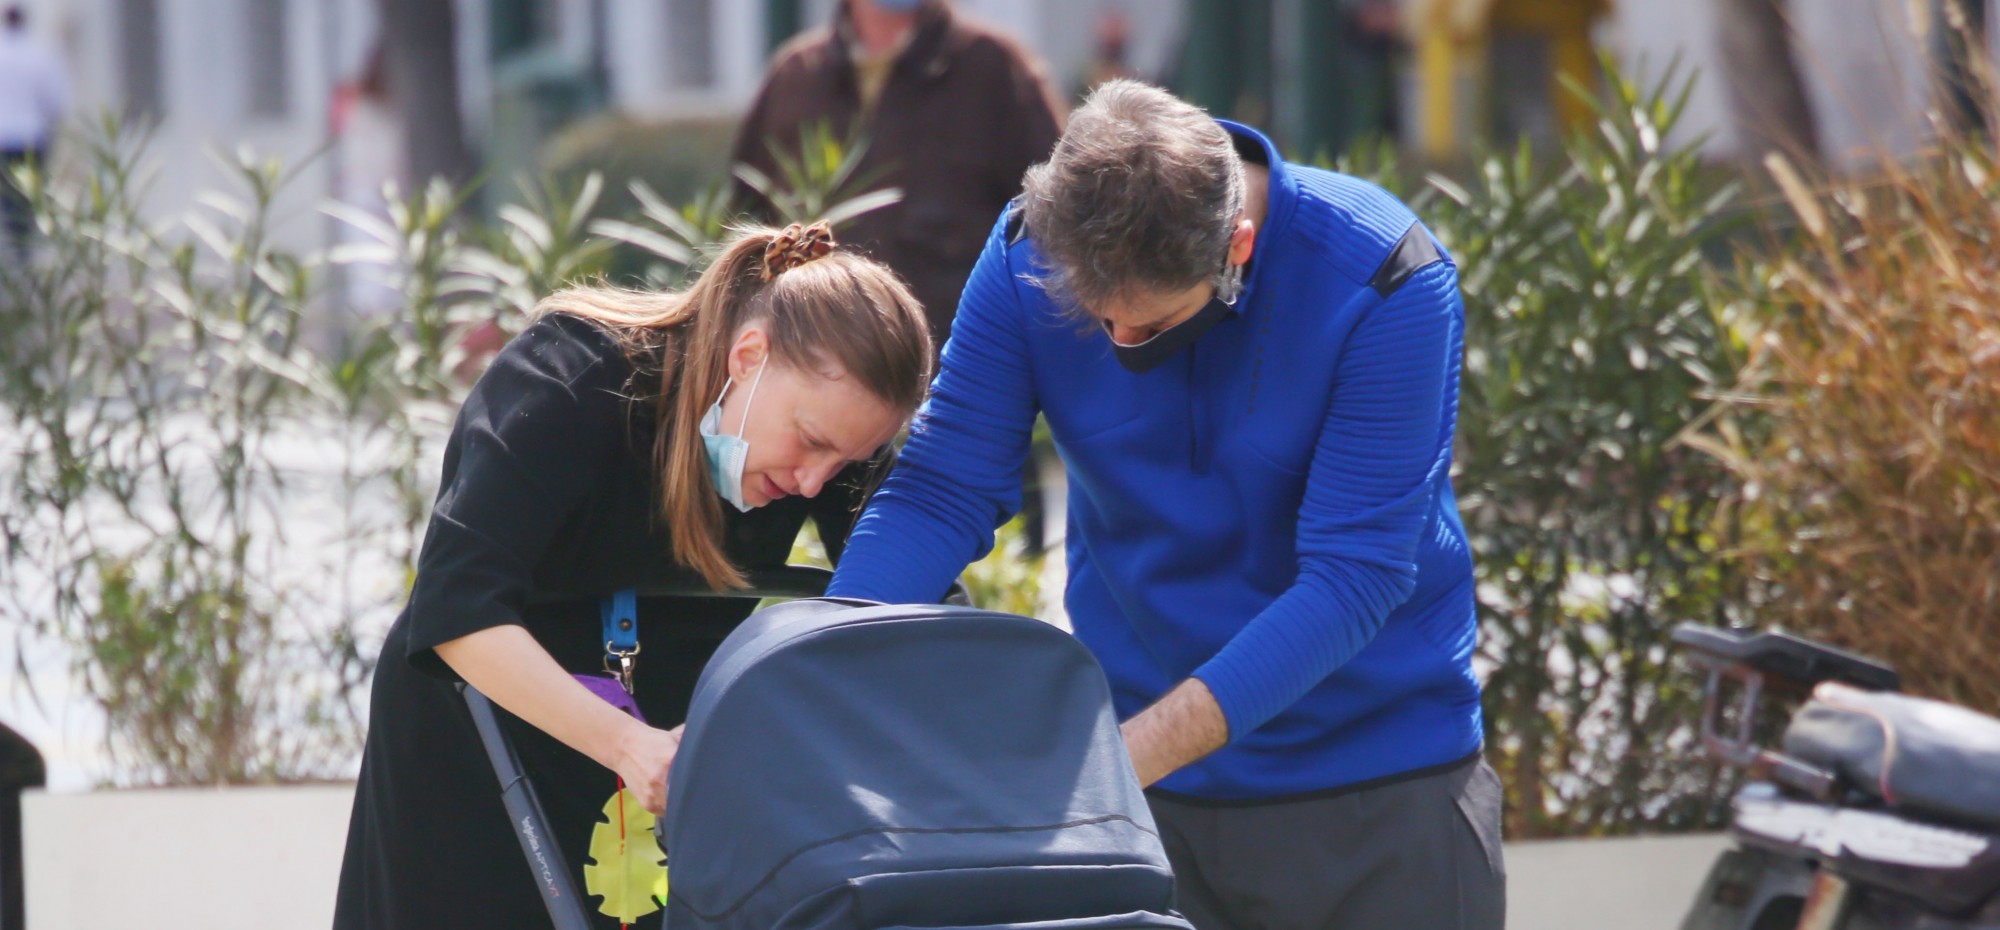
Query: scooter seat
{"points": [[1950, 869], [1934, 760]]}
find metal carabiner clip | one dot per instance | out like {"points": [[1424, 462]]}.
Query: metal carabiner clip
{"points": [[625, 663]]}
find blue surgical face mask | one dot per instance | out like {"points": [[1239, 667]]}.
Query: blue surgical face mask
{"points": [[727, 454]]}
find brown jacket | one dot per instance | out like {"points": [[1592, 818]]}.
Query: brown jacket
{"points": [[964, 113]]}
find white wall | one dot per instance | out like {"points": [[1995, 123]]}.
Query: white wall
{"points": [[1646, 36], [1861, 60], [1865, 68], [641, 41], [199, 859], [204, 63]]}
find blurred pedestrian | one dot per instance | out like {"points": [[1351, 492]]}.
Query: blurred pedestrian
{"points": [[1109, 50], [34, 92], [952, 111], [368, 137]]}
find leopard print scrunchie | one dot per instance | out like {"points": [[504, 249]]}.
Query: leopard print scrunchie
{"points": [[796, 246]]}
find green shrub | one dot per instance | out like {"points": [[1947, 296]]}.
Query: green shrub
{"points": [[1593, 337], [148, 373], [1009, 579]]}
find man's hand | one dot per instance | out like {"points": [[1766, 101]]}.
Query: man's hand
{"points": [[1178, 729]]}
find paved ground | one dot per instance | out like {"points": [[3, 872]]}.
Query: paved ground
{"points": [[268, 858], [1644, 883]]}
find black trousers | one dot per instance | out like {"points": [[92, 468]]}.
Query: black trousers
{"points": [[1421, 853], [17, 218]]}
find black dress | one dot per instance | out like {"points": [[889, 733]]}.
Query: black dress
{"points": [[546, 488]]}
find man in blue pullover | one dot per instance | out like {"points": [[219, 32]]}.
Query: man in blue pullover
{"points": [[1251, 370]]}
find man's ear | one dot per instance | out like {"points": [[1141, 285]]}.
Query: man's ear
{"points": [[749, 353], [1242, 242]]}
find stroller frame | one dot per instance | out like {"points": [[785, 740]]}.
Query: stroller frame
{"points": [[517, 792]]}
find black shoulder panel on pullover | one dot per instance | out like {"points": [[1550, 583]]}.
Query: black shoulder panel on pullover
{"points": [[1413, 253]]}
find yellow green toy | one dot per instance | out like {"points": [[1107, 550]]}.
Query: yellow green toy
{"points": [[627, 868]]}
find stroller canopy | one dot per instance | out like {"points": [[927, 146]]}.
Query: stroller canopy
{"points": [[857, 766]]}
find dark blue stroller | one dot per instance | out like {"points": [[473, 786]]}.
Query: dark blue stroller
{"points": [[851, 765], [848, 765]]}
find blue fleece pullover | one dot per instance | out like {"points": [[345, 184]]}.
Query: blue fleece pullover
{"points": [[1269, 511]]}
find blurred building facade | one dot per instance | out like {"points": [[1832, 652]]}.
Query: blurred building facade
{"points": [[1864, 64], [1320, 73], [263, 74]]}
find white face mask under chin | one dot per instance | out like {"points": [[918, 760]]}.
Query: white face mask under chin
{"points": [[728, 454]]}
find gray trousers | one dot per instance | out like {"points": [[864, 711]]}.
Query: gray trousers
{"points": [[1411, 854]]}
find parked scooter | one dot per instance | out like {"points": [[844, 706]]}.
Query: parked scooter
{"points": [[1877, 811]]}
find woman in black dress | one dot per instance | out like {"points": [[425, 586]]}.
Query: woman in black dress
{"points": [[595, 454]]}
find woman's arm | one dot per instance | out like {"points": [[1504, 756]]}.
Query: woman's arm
{"points": [[509, 667], [540, 431]]}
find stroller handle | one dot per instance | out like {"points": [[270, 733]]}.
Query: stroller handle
{"points": [[788, 581], [785, 581]]}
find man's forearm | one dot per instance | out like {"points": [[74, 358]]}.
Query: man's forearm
{"points": [[1177, 730]]}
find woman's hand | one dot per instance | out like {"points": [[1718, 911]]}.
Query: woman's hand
{"points": [[645, 757]]}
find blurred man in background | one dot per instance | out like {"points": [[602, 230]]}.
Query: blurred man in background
{"points": [[1109, 59], [952, 112], [371, 153], [33, 95]]}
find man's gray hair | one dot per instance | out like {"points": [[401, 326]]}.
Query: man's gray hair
{"points": [[1140, 196]]}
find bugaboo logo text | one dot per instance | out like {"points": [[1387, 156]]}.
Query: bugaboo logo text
{"points": [[541, 861]]}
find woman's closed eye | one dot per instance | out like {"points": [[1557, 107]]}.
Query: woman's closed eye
{"points": [[819, 446]]}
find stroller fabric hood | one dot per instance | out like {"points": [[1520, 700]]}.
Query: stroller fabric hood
{"points": [[860, 766]]}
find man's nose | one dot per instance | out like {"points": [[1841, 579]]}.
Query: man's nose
{"points": [[1130, 335]]}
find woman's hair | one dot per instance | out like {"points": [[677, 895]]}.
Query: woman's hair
{"points": [[1140, 195], [823, 311]]}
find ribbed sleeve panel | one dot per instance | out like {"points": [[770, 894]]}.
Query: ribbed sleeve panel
{"points": [[1370, 493], [1365, 219]]}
